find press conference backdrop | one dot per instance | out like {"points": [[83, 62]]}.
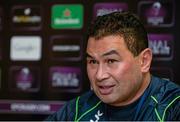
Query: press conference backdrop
{"points": [[42, 46]]}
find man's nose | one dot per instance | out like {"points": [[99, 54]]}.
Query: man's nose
{"points": [[101, 73]]}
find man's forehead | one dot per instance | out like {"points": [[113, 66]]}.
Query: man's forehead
{"points": [[106, 42], [107, 45], [103, 54]]}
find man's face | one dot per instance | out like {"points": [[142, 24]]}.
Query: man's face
{"points": [[114, 73]]}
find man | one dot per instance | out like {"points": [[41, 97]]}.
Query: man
{"points": [[122, 88]]}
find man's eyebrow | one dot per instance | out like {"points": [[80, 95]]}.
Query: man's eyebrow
{"points": [[111, 52], [88, 56]]}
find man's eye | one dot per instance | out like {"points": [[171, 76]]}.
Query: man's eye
{"points": [[92, 61], [110, 61]]}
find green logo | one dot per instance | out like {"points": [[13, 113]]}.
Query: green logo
{"points": [[67, 16]]}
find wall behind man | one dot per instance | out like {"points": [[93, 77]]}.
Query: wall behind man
{"points": [[42, 49]]}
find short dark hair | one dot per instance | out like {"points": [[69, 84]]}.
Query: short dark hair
{"points": [[125, 24]]}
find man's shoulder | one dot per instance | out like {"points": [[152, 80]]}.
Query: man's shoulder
{"points": [[164, 85], [165, 90]]}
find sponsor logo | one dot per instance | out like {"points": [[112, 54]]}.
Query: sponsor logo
{"points": [[106, 8], [24, 78], [65, 77], [25, 48], [66, 48], [161, 45], [155, 13], [67, 16], [33, 107], [26, 17], [29, 107]]}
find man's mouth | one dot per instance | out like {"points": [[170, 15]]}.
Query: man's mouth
{"points": [[106, 89]]}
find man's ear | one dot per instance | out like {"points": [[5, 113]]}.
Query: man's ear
{"points": [[146, 58]]}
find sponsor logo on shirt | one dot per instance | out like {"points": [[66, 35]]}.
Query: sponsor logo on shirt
{"points": [[97, 116]]}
